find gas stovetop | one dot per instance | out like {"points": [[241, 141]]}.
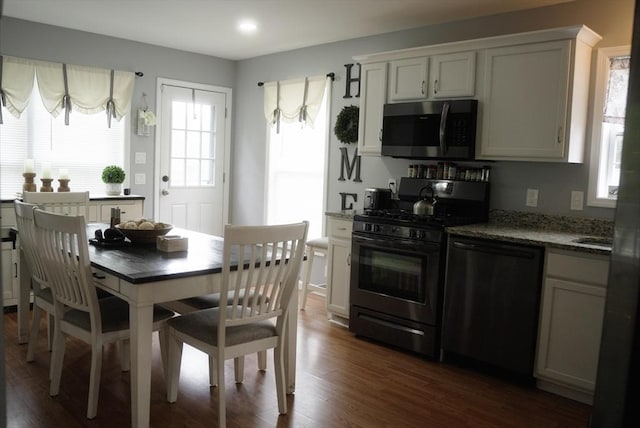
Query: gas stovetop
{"points": [[404, 224]]}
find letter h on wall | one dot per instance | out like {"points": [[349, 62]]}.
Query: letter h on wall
{"points": [[350, 80]]}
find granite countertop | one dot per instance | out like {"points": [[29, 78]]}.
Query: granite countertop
{"points": [[544, 230], [345, 215]]}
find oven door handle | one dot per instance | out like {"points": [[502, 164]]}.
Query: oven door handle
{"points": [[396, 243]]}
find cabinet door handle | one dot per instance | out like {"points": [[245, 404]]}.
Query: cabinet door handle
{"points": [[349, 260], [99, 275], [380, 135], [435, 87], [559, 134], [422, 87], [15, 270]]}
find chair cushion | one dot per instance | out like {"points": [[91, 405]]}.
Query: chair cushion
{"points": [[320, 243], [213, 300], [45, 294], [203, 325], [114, 313]]}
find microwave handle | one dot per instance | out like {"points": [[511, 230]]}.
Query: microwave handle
{"points": [[443, 127]]}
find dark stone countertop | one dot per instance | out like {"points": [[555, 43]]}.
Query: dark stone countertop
{"points": [[559, 232]]}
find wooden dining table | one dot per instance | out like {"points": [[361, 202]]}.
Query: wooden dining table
{"points": [[144, 276]]}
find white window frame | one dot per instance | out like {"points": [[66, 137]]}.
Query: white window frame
{"points": [[599, 98], [327, 112]]}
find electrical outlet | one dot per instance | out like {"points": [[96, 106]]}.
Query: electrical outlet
{"points": [[532, 198], [392, 185], [577, 200]]}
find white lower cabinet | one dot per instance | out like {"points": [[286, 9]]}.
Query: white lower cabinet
{"points": [[572, 313], [100, 210], [10, 269], [339, 267]]}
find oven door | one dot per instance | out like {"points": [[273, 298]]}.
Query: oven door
{"points": [[401, 278]]}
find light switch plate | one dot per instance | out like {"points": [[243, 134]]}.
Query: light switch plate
{"points": [[140, 178], [141, 157], [532, 198], [577, 200]]}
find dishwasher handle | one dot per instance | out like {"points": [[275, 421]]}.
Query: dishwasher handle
{"points": [[495, 249]]}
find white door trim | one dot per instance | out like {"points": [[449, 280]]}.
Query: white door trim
{"points": [[227, 140]]}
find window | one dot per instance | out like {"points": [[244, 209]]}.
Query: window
{"points": [[296, 161], [84, 147], [610, 99]]}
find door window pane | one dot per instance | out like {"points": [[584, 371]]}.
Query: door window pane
{"points": [[192, 144]]}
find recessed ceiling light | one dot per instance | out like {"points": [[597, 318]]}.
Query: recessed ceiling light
{"points": [[247, 26]]}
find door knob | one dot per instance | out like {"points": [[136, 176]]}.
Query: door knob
{"points": [[165, 178], [165, 192]]}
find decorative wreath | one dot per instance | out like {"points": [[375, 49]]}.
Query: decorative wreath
{"points": [[346, 128]]}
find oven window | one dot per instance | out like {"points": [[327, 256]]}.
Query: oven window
{"points": [[394, 274]]}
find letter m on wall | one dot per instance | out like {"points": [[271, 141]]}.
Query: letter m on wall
{"points": [[349, 166]]}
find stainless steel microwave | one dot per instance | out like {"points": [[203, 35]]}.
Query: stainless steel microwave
{"points": [[430, 130]]}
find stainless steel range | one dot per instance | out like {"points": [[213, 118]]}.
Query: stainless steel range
{"points": [[398, 261]]}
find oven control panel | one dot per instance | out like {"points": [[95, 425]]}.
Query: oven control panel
{"points": [[398, 231]]}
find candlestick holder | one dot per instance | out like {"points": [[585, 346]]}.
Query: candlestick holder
{"points": [[29, 185], [64, 185], [46, 185]]}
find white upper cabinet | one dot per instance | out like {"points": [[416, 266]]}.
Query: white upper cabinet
{"points": [[453, 75], [408, 79], [527, 102], [373, 90]]}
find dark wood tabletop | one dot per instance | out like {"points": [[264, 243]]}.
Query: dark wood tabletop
{"points": [[140, 264]]}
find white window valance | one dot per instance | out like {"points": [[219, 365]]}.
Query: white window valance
{"points": [[296, 100], [65, 87]]}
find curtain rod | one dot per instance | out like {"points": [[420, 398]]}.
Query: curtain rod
{"points": [[331, 75]]}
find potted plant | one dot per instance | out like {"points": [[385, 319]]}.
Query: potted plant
{"points": [[113, 176]]}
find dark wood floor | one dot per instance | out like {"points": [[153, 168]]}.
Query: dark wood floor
{"points": [[342, 381]]}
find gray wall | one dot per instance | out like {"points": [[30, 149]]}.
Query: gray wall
{"points": [[44, 42], [611, 19]]}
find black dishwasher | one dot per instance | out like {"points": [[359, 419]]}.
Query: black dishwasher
{"points": [[492, 301]]}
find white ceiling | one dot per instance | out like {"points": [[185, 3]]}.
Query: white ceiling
{"points": [[209, 26]]}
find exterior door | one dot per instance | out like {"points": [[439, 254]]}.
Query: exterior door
{"points": [[193, 139]]}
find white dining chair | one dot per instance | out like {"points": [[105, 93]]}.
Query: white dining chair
{"points": [[69, 203], [78, 311], [245, 325], [42, 295]]}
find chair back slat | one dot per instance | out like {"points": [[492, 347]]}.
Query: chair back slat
{"points": [[69, 203], [268, 260], [65, 254], [29, 244]]}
